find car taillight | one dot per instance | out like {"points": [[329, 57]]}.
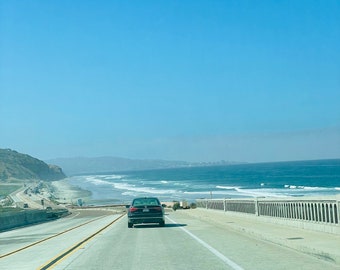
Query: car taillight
{"points": [[133, 209], [158, 208]]}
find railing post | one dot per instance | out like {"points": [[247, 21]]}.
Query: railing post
{"points": [[338, 214], [225, 205], [256, 207]]}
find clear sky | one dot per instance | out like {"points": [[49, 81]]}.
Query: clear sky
{"points": [[178, 80]]}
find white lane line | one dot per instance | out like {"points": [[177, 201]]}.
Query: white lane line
{"points": [[72, 217], [210, 248]]}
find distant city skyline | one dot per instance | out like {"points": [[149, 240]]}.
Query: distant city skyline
{"points": [[198, 81]]}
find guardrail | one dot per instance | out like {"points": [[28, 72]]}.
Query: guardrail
{"points": [[323, 212]]}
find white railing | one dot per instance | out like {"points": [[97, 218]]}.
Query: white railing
{"points": [[325, 212], [317, 211]]}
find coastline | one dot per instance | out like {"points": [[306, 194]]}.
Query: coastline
{"points": [[65, 193]]}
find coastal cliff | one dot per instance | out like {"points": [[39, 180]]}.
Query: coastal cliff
{"points": [[14, 165]]}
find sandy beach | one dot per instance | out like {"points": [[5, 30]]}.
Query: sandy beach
{"points": [[64, 192]]}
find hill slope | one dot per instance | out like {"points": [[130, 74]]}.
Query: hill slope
{"points": [[83, 165], [21, 166]]}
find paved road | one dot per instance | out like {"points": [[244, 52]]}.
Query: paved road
{"points": [[184, 243], [33, 201], [31, 247]]}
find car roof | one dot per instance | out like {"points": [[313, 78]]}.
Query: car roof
{"points": [[146, 200]]}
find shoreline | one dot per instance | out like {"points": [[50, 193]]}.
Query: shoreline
{"points": [[65, 193]]}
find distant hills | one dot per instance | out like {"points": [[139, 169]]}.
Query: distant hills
{"points": [[14, 165], [83, 165]]}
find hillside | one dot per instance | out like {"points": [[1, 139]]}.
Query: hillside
{"points": [[20, 166], [83, 165]]}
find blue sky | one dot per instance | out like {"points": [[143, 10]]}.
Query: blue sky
{"points": [[179, 80]]}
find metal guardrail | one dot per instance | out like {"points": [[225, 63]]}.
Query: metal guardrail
{"points": [[318, 211]]}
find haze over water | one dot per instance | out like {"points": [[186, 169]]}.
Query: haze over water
{"points": [[283, 179]]}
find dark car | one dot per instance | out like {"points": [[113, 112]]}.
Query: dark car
{"points": [[145, 210]]}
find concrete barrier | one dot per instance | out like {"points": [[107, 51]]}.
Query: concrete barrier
{"points": [[320, 215], [10, 220]]}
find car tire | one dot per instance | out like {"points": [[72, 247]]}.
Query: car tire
{"points": [[130, 225]]}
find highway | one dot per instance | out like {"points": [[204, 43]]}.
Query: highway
{"points": [[94, 239]]}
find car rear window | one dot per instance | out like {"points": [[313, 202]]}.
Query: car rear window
{"points": [[145, 201]]}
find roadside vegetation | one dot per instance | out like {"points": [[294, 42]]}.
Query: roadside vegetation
{"points": [[5, 190], [176, 206]]}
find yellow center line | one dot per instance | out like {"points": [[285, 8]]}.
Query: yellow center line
{"points": [[48, 238], [57, 259]]}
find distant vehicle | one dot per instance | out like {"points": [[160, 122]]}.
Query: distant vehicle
{"points": [[48, 208], [25, 205], [145, 210]]}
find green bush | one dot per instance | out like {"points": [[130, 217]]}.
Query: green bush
{"points": [[193, 206], [176, 206]]}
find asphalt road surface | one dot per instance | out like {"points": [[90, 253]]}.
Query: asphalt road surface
{"points": [[102, 240]]}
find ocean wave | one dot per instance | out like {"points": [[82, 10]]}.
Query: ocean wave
{"points": [[294, 187], [125, 186], [96, 181], [122, 186], [180, 184], [211, 193], [307, 187], [114, 176], [227, 187], [238, 192], [261, 192], [316, 188], [139, 189]]}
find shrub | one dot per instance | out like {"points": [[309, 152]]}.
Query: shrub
{"points": [[176, 206], [193, 206]]}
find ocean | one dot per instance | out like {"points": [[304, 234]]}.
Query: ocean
{"points": [[280, 179]]}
